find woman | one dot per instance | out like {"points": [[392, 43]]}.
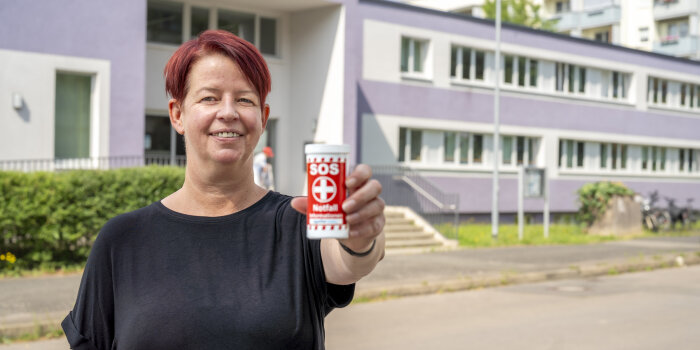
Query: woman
{"points": [[222, 263]]}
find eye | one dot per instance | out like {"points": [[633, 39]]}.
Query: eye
{"points": [[246, 101], [208, 99]]}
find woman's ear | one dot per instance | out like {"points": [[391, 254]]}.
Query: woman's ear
{"points": [[265, 115], [175, 112]]}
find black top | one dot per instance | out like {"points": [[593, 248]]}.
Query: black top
{"points": [[158, 279]]}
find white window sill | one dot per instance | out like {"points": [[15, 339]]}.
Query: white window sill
{"points": [[628, 173], [421, 77], [538, 91]]}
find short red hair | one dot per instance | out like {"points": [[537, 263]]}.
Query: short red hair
{"points": [[246, 56]]}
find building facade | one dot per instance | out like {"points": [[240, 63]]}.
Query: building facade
{"points": [[405, 86], [665, 26]]}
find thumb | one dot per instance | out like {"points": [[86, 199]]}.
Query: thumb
{"points": [[300, 204]]}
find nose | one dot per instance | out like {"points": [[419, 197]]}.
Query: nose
{"points": [[228, 110]]}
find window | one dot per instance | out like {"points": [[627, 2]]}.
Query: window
{"points": [[603, 155], [402, 144], [580, 154], [689, 94], [518, 150], [603, 36], [72, 113], [164, 22], [562, 6], [508, 69], [658, 91], [643, 34], [241, 24], [450, 146], [688, 159], [157, 138], [466, 63], [199, 22], [615, 85], [570, 78], [479, 75], [478, 147], [416, 144], [521, 71], [463, 148], [533, 73], [413, 53], [268, 36], [507, 150]]}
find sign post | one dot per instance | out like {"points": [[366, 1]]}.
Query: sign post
{"points": [[532, 183]]}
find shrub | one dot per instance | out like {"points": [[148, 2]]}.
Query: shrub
{"points": [[594, 198], [50, 219]]}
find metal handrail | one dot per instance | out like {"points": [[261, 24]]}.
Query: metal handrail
{"points": [[417, 192], [424, 193]]}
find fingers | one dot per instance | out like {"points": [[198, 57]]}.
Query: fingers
{"points": [[370, 210], [359, 176], [300, 204], [368, 229], [368, 192]]}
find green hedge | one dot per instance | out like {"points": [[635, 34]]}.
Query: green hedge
{"points": [[50, 219], [594, 198]]}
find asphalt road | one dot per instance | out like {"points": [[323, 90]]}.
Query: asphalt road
{"points": [[646, 310]]}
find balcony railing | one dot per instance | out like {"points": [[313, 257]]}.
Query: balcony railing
{"points": [[665, 9], [678, 46], [599, 17], [88, 163]]}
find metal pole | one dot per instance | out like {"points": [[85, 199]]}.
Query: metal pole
{"points": [[457, 219], [496, 133], [546, 204], [521, 215]]}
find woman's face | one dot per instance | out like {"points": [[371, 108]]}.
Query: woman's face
{"points": [[220, 117]]}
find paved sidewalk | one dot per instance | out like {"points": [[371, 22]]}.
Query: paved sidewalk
{"points": [[28, 303]]}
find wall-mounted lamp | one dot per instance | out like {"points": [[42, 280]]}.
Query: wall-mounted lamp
{"points": [[17, 101]]}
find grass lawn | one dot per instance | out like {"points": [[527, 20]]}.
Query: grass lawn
{"points": [[479, 235]]}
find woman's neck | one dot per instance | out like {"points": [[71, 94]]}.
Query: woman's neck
{"points": [[207, 193]]}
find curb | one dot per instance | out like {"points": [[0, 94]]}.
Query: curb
{"points": [[590, 269]]}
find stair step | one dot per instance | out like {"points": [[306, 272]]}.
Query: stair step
{"points": [[393, 214], [412, 243], [398, 221], [408, 236], [402, 228]]}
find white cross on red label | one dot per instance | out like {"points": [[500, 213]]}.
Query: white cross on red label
{"points": [[324, 189]]}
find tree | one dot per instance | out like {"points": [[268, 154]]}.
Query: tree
{"points": [[522, 12]]}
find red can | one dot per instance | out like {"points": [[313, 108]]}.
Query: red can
{"points": [[325, 172]]}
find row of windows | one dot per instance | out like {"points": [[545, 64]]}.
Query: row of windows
{"points": [[596, 156], [166, 25], [675, 94], [442, 147], [470, 65], [451, 147]]}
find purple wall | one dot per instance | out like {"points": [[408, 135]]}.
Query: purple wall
{"points": [[110, 30], [429, 102], [475, 193]]}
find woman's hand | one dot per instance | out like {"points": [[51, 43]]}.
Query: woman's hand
{"points": [[364, 209]]}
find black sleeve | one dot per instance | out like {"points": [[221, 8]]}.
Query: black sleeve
{"points": [[90, 325], [333, 295]]}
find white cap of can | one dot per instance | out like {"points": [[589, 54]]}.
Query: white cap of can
{"points": [[322, 148]]}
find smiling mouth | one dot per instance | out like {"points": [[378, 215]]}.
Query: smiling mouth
{"points": [[226, 134]]}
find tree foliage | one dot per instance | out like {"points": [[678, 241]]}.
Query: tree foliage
{"points": [[522, 12]]}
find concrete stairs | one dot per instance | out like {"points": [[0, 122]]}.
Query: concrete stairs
{"points": [[407, 232]]}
